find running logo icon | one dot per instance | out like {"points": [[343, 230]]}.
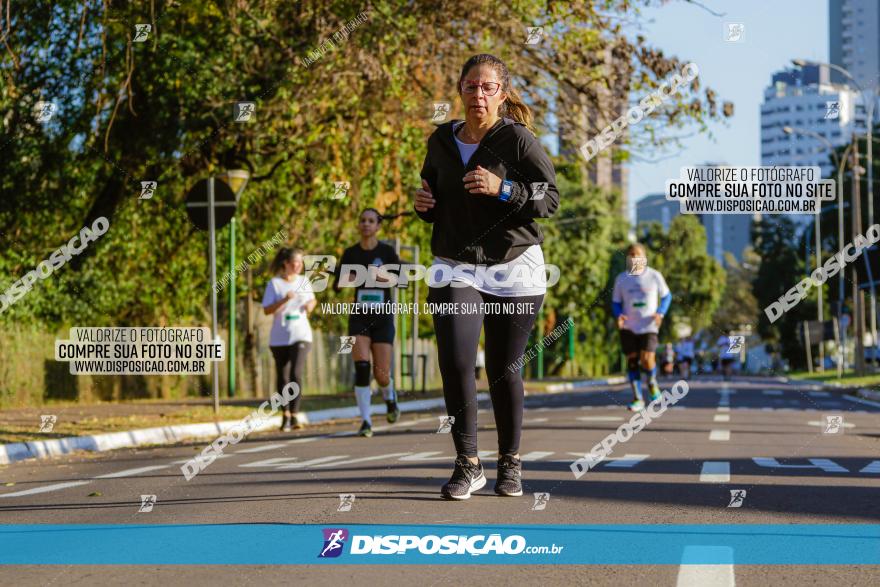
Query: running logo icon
{"points": [[534, 35], [639, 264], [346, 343], [334, 540], [317, 271], [832, 110], [43, 111], [141, 32], [147, 189], [735, 32], [541, 500], [47, 423], [340, 189], [737, 497], [441, 111], [833, 424], [244, 111], [735, 344], [147, 503], [346, 500], [539, 190], [446, 423]]}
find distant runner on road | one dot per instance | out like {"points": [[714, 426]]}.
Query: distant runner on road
{"points": [[639, 301]]}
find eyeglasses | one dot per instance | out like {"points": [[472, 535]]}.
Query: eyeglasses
{"points": [[489, 88]]}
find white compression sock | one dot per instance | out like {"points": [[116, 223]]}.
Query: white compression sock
{"points": [[362, 394], [388, 391]]}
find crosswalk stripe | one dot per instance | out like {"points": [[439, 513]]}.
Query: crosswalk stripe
{"points": [[362, 460], [600, 418], [535, 456], [274, 462], [715, 472], [427, 456], [535, 420], [131, 472], [873, 467], [719, 435], [723, 408], [627, 461], [45, 488], [721, 418], [262, 448], [318, 461], [698, 575]]}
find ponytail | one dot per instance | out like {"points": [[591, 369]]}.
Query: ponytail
{"points": [[516, 109]]}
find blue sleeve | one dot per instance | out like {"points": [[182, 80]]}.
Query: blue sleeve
{"points": [[616, 308], [665, 301]]}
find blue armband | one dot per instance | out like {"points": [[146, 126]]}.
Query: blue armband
{"points": [[665, 301], [616, 309]]}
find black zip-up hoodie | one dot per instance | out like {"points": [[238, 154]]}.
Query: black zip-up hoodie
{"points": [[479, 228]]}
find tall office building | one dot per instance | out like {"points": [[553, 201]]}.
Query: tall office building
{"points": [[854, 40]]}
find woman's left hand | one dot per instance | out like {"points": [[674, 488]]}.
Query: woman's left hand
{"points": [[482, 181]]}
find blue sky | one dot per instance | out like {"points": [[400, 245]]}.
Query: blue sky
{"points": [[775, 32]]}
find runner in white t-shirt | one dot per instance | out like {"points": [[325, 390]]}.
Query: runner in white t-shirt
{"points": [[640, 300], [289, 299]]}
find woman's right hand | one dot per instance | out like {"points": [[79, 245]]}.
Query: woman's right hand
{"points": [[424, 199]]}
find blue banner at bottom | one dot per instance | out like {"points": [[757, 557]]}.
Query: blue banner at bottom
{"points": [[259, 544]]}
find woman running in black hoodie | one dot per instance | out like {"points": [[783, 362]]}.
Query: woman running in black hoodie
{"points": [[484, 181]]}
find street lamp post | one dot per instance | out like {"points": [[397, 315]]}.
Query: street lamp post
{"points": [[789, 130], [868, 101]]}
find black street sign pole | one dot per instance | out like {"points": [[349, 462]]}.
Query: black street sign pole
{"points": [[212, 253], [202, 203]]}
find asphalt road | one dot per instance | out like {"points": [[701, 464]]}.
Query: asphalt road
{"points": [[757, 435]]}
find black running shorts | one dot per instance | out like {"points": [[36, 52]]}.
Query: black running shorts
{"points": [[634, 343], [379, 327]]}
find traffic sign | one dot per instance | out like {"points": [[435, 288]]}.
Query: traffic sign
{"points": [[197, 204]]}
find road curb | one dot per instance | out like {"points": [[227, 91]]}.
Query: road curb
{"points": [[861, 392], [41, 449]]}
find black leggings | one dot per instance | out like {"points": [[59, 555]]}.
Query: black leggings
{"points": [[289, 363], [458, 335]]}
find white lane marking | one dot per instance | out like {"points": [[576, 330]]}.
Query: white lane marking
{"points": [[427, 456], [818, 394], [772, 392], [271, 462], [46, 488], [715, 472], [700, 575], [258, 449], [306, 439], [535, 456], [861, 401], [317, 461], [822, 424], [535, 420], [723, 408], [872, 467], [188, 460], [600, 418], [485, 454], [719, 435], [721, 418], [627, 461], [363, 460], [826, 465], [130, 472]]}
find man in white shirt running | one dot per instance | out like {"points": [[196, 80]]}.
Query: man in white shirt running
{"points": [[640, 300]]}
